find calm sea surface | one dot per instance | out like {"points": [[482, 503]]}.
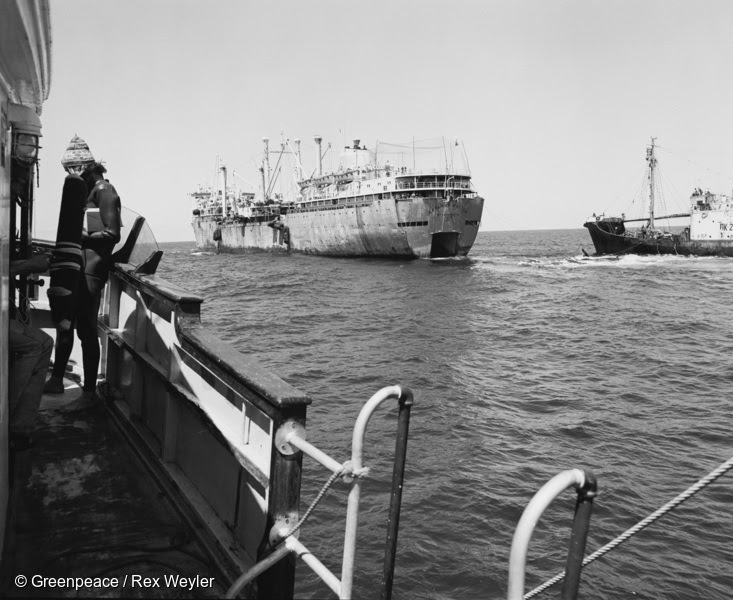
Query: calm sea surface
{"points": [[525, 359]]}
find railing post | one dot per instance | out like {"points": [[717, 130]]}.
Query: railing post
{"points": [[398, 476], [352, 510], [531, 515], [278, 582], [576, 550]]}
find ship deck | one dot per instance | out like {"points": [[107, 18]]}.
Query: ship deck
{"points": [[83, 505]]}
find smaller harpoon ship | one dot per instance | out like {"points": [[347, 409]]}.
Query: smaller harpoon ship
{"points": [[707, 230], [363, 208]]}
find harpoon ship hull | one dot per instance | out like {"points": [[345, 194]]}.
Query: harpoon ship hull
{"points": [[607, 242], [406, 228]]}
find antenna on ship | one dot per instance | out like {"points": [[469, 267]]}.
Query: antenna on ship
{"points": [[652, 160], [465, 157]]}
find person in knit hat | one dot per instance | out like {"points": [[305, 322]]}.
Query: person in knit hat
{"points": [[98, 241], [77, 156]]}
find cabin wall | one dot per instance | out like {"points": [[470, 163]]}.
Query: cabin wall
{"points": [[711, 225], [4, 304], [25, 68]]}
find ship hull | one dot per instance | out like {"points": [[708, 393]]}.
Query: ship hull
{"points": [[608, 242], [237, 236], [405, 228]]}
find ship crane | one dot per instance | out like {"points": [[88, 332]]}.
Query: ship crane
{"points": [[298, 164]]}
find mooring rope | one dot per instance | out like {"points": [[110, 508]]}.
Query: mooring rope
{"points": [[688, 493], [342, 471], [245, 578]]}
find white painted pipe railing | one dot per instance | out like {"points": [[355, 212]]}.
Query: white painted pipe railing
{"points": [[525, 528], [352, 511]]}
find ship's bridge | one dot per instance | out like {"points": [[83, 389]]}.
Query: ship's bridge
{"points": [[356, 157], [704, 201]]}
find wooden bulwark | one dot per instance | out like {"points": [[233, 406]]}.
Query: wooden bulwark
{"points": [[206, 417]]}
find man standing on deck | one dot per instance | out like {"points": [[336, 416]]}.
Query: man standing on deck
{"points": [[98, 241]]}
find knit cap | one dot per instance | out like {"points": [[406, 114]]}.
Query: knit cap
{"points": [[77, 153]]}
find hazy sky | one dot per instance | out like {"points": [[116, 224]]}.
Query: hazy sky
{"points": [[555, 101]]}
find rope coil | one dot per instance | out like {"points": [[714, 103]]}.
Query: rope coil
{"points": [[672, 504]]}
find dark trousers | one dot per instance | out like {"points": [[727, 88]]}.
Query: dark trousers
{"points": [[85, 323]]}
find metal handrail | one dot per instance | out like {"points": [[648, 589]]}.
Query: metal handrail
{"points": [[410, 185], [290, 438], [585, 484], [357, 454]]}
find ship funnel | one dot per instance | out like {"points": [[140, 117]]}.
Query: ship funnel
{"points": [[264, 185], [356, 157], [319, 139]]}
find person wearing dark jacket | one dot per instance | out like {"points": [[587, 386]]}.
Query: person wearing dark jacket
{"points": [[98, 241]]}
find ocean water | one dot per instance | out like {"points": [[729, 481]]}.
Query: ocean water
{"points": [[525, 359]]}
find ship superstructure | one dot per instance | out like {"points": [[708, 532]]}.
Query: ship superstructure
{"points": [[363, 208]]}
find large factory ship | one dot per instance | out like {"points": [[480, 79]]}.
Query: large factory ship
{"points": [[363, 208]]}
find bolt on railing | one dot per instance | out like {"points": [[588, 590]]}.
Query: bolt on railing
{"points": [[586, 487], [289, 439]]}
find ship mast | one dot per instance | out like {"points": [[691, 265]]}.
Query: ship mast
{"points": [[268, 175], [223, 170], [652, 161]]}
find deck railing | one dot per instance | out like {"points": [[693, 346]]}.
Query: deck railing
{"points": [[291, 439], [586, 487], [403, 184]]}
